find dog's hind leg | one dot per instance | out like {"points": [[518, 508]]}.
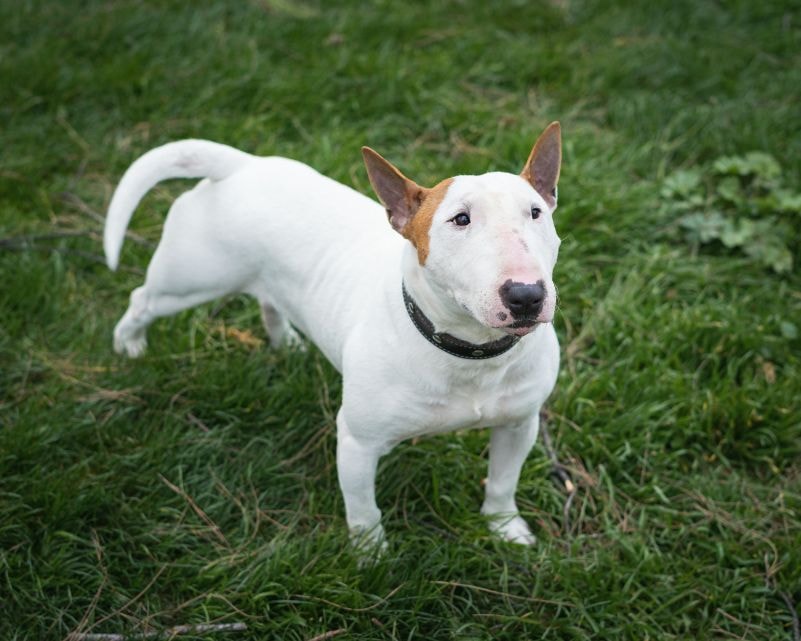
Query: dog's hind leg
{"points": [[130, 333], [279, 330], [147, 305], [189, 267]]}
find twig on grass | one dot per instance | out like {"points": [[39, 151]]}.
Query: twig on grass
{"points": [[770, 582], [103, 619], [793, 614], [80, 205], [96, 598], [558, 471], [338, 606], [215, 529], [169, 633], [24, 240], [507, 595], [28, 242], [328, 635]]}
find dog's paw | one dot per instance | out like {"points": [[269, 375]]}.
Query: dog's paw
{"points": [[293, 340], [368, 543], [133, 346], [511, 528]]}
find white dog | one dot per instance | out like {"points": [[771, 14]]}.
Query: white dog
{"points": [[442, 324]]}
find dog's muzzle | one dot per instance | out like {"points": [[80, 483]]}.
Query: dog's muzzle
{"points": [[523, 300]]}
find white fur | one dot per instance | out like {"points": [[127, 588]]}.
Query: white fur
{"points": [[501, 243], [322, 257]]}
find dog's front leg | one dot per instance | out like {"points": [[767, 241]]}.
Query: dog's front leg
{"points": [[356, 467], [509, 447]]}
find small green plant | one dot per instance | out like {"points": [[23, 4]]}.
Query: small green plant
{"points": [[738, 201]]}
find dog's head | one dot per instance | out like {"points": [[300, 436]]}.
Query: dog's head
{"points": [[489, 240]]}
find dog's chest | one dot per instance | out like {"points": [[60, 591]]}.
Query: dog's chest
{"points": [[463, 412], [414, 394], [474, 408]]}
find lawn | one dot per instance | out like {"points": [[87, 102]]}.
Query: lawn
{"points": [[197, 485]]}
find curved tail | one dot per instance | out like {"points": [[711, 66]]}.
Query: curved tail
{"points": [[183, 159]]}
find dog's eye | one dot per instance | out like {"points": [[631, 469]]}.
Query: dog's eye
{"points": [[535, 213], [461, 220]]}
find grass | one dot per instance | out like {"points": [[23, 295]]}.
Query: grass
{"points": [[199, 485]]}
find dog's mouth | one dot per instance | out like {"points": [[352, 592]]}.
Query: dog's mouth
{"points": [[524, 322], [521, 327]]}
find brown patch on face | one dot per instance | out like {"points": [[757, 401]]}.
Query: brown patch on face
{"points": [[417, 230]]}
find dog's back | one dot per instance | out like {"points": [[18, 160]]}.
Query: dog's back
{"points": [[271, 227]]}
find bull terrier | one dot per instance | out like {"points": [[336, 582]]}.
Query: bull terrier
{"points": [[439, 321]]}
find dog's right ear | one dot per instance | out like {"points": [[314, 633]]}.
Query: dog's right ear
{"points": [[400, 196]]}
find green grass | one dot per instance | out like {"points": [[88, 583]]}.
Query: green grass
{"points": [[199, 484]]}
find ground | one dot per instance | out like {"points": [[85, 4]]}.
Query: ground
{"points": [[198, 483]]}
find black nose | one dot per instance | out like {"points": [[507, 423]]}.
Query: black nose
{"points": [[524, 301]]}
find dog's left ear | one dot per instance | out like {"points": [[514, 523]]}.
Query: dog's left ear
{"points": [[544, 162], [400, 196]]}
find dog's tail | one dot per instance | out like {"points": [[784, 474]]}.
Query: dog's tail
{"points": [[183, 159]]}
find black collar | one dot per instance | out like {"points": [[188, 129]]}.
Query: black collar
{"points": [[451, 344]]}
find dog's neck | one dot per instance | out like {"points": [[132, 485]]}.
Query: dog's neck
{"points": [[440, 307]]}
